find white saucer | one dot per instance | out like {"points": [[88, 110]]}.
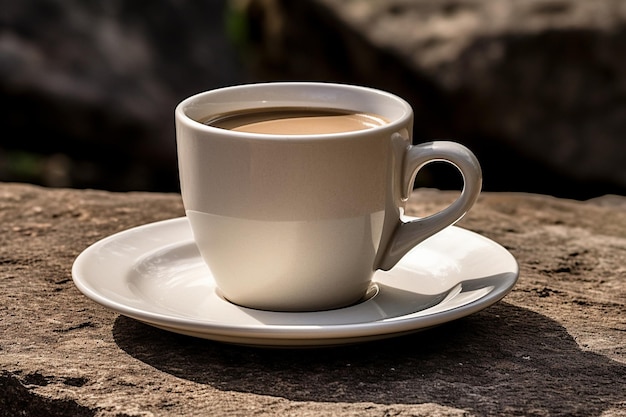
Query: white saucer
{"points": [[155, 274]]}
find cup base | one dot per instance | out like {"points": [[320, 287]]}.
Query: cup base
{"points": [[371, 292]]}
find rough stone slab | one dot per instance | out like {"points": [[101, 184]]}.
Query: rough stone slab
{"points": [[554, 346]]}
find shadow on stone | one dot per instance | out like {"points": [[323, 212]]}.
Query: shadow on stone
{"points": [[502, 355], [17, 400]]}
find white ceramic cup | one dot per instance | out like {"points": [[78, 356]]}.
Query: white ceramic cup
{"points": [[302, 222]]}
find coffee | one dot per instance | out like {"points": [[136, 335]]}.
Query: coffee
{"points": [[295, 121]]}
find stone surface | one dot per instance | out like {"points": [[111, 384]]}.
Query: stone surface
{"points": [[556, 345], [537, 88]]}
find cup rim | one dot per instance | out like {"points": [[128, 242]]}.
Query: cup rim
{"points": [[403, 120]]}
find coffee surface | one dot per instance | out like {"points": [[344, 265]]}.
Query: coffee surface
{"points": [[296, 121]]}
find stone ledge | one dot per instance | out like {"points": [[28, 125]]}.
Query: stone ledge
{"points": [[556, 345]]}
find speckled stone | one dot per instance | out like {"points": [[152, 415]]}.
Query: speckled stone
{"points": [[556, 345]]}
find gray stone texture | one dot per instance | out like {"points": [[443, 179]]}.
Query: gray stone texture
{"points": [[89, 88], [555, 346], [537, 88]]}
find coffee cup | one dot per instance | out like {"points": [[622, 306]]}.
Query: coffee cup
{"points": [[295, 191]]}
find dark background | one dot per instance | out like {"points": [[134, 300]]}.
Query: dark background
{"points": [[88, 89]]}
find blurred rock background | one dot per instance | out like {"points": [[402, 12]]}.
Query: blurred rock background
{"points": [[536, 88], [88, 88]]}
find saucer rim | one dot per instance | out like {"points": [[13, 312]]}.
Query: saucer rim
{"points": [[279, 335]]}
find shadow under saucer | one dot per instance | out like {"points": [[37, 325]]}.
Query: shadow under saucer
{"points": [[502, 360]]}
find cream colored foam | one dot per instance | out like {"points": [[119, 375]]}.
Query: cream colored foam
{"points": [[299, 122]]}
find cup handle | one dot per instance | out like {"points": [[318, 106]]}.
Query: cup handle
{"points": [[409, 234]]}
